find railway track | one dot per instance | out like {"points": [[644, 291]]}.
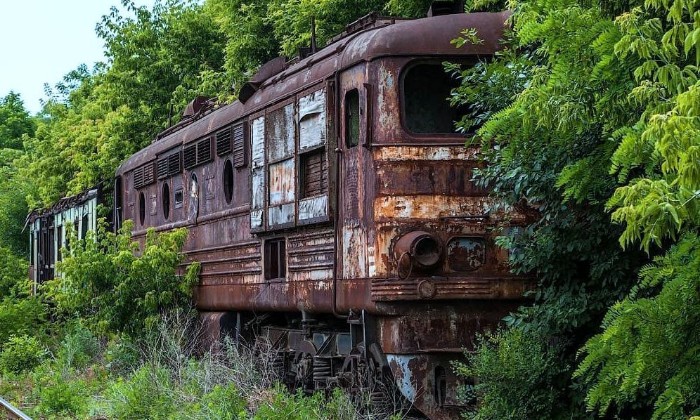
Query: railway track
{"points": [[9, 411]]}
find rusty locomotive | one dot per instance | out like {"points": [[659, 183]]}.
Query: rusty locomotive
{"points": [[332, 210]]}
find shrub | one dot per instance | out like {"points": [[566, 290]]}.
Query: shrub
{"points": [[20, 317], [516, 373], [78, 347], [21, 353], [109, 281], [147, 394]]}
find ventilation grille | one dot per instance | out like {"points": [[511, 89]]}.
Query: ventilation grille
{"points": [[198, 153], [190, 156], [174, 164], [204, 151], [144, 175], [239, 143], [223, 141], [169, 166]]}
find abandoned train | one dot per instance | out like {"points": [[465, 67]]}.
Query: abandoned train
{"points": [[332, 211]]}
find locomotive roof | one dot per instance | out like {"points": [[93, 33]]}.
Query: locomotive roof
{"points": [[419, 37], [63, 203]]}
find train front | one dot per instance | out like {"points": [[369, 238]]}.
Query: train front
{"points": [[417, 242]]}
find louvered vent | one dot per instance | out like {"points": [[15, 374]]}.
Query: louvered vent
{"points": [[138, 177], [204, 151], [169, 166], [190, 156], [144, 175], [162, 168], [223, 141], [149, 173], [174, 164], [239, 143]]}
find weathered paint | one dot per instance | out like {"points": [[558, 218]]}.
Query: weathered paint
{"points": [[312, 120], [431, 207]]}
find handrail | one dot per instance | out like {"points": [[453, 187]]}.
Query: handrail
{"points": [[14, 412]]}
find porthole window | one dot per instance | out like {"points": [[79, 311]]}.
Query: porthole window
{"points": [[166, 200], [142, 208], [228, 181]]}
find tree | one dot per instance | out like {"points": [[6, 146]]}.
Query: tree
{"points": [[597, 111], [14, 122]]}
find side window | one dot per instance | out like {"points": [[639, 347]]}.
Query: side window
{"points": [[352, 118], [84, 226], [228, 181], [193, 204], [142, 208], [275, 259], [59, 242], [280, 135], [179, 197], [166, 200]]}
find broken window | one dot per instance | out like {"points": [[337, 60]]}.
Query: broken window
{"points": [[179, 197], [275, 259], [426, 109]]}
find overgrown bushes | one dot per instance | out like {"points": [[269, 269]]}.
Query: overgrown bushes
{"points": [[119, 286]]}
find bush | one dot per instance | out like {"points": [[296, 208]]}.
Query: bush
{"points": [[20, 317], [78, 347], [105, 282], [148, 394], [517, 376], [21, 353]]}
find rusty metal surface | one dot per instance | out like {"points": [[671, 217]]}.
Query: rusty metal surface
{"points": [[388, 225]]}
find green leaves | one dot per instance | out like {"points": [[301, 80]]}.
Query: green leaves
{"points": [[119, 285], [649, 345]]}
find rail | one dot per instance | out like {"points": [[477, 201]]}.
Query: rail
{"points": [[11, 411]]}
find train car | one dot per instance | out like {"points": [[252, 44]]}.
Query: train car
{"points": [[332, 210], [49, 231]]}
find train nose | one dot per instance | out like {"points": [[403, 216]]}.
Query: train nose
{"points": [[423, 249]]}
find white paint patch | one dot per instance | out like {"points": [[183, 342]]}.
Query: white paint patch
{"points": [[438, 153], [313, 208], [403, 380]]}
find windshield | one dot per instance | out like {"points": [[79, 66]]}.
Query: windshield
{"points": [[426, 108]]}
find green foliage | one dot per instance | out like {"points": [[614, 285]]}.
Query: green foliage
{"points": [[15, 122], [61, 397], [147, 394], [105, 281], [13, 274], [648, 351], [78, 348], [18, 317], [597, 111], [284, 405], [20, 354], [519, 376], [291, 19]]}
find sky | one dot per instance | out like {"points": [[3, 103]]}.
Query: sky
{"points": [[43, 40]]}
